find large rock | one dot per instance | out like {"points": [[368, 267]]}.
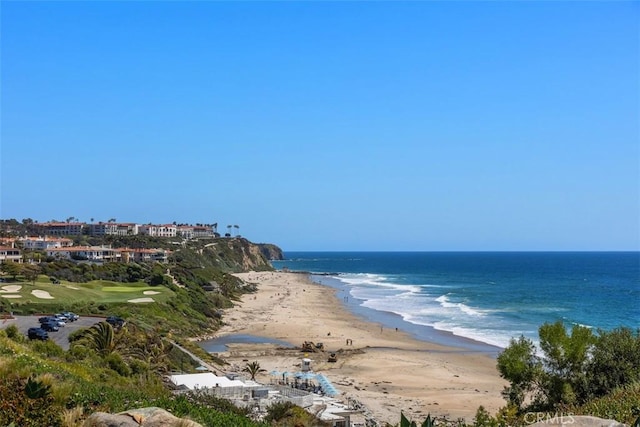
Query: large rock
{"points": [[145, 417], [573, 421]]}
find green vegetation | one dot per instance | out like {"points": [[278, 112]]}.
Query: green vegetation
{"points": [[579, 372], [286, 414], [96, 291], [188, 292], [253, 369], [104, 370]]}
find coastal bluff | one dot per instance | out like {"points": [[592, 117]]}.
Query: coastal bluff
{"points": [[238, 254], [271, 251]]}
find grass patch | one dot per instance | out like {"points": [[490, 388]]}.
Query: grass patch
{"points": [[97, 292], [127, 288]]}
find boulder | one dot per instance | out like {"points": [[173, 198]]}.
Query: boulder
{"points": [[144, 417]]}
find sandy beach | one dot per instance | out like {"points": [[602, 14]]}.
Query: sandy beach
{"points": [[385, 369]]}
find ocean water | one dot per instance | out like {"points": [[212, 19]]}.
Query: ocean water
{"points": [[481, 297]]}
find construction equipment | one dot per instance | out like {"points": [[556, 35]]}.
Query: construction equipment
{"points": [[310, 346]]}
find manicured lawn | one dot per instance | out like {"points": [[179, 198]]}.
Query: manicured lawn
{"points": [[98, 291]]}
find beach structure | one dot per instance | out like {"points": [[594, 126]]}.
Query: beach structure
{"points": [[204, 380], [251, 394], [228, 387]]}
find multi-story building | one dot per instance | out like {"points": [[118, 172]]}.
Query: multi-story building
{"points": [[85, 253], [59, 228], [10, 254], [144, 255], [166, 230], [195, 231], [186, 231], [202, 231], [113, 229], [44, 242]]}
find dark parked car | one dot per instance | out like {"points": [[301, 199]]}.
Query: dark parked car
{"points": [[50, 326], [52, 319], [37, 334], [115, 321]]}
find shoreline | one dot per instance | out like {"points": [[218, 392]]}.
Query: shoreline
{"points": [[388, 370], [424, 333]]}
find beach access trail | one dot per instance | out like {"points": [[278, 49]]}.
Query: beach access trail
{"points": [[386, 370]]}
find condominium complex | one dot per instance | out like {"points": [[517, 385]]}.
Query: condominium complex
{"points": [[123, 229]]}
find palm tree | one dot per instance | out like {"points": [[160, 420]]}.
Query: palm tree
{"points": [[253, 369], [100, 337], [152, 350], [228, 230], [237, 227]]}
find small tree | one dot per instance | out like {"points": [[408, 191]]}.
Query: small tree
{"points": [[614, 362], [30, 272], [519, 365], [11, 268], [253, 369], [566, 357]]}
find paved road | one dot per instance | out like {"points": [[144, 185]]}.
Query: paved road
{"points": [[60, 337]]}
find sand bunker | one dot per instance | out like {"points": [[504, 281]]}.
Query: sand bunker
{"points": [[72, 287], [41, 294], [151, 292], [137, 300], [11, 296], [11, 288]]}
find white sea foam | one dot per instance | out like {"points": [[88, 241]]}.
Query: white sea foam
{"points": [[444, 302], [373, 281], [420, 306], [362, 279], [415, 306], [493, 337]]}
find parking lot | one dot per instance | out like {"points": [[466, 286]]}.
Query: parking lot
{"points": [[59, 337]]}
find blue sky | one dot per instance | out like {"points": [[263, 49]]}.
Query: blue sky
{"points": [[329, 125]]}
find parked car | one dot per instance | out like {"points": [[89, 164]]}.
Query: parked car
{"points": [[51, 319], [50, 326], [61, 316], [71, 316], [115, 321], [37, 334]]}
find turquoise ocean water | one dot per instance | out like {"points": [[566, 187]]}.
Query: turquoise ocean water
{"points": [[480, 298]]}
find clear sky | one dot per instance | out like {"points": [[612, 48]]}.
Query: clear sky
{"points": [[329, 125]]}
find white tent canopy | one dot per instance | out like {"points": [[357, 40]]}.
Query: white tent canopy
{"points": [[204, 380]]}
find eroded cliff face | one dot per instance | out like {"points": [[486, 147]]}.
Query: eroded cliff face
{"points": [[271, 252], [237, 255]]}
